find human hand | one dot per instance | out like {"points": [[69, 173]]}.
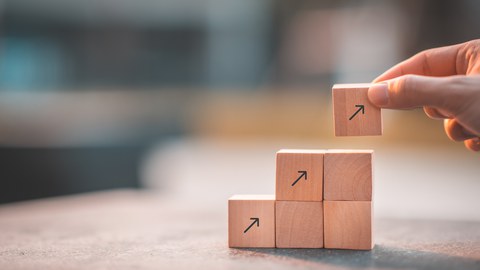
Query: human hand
{"points": [[445, 82]]}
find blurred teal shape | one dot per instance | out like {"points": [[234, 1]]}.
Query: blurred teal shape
{"points": [[31, 64]]}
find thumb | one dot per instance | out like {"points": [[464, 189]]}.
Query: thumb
{"points": [[411, 91]]}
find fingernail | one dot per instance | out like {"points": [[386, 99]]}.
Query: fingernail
{"points": [[473, 144], [378, 94]]}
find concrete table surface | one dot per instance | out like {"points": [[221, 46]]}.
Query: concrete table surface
{"points": [[131, 229]]}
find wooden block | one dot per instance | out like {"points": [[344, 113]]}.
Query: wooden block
{"points": [[299, 175], [251, 221], [299, 224], [353, 113], [348, 175], [348, 225]]}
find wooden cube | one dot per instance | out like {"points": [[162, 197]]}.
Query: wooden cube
{"points": [[299, 175], [299, 224], [348, 175], [251, 221], [353, 113], [348, 225]]}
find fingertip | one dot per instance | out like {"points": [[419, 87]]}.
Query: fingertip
{"points": [[456, 132], [378, 94], [473, 144]]}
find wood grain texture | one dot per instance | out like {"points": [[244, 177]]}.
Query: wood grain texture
{"points": [[299, 224], [289, 167], [348, 175], [348, 225], [241, 210], [345, 98]]}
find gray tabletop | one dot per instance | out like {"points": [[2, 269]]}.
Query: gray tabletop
{"points": [[128, 229]]}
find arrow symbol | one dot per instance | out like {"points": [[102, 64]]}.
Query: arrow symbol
{"points": [[255, 220], [360, 108], [302, 173]]}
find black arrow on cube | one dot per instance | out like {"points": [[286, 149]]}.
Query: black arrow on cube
{"points": [[255, 220], [360, 108], [302, 173]]}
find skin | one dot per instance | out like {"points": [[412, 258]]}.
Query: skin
{"points": [[444, 81]]}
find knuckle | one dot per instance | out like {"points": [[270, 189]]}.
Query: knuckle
{"points": [[467, 56], [472, 44], [406, 87], [458, 89]]}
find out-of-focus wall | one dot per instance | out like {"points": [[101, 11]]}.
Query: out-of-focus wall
{"points": [[68, 44], [85, 82]]}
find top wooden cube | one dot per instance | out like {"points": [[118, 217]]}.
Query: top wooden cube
{"points": [[353, 113], [299, 175]]}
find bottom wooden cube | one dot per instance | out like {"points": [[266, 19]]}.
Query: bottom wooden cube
{"points": [[299, 224], [348, 224], [251, 221]]}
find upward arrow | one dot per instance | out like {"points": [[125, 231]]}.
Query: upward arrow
{"points": [[360, 108], [302, 173], [255, 220]]}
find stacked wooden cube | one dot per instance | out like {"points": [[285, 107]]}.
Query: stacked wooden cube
{"points": [[353, 114], [323, 200]]}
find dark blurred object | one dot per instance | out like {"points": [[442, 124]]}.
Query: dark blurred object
{"points": [[437, 23], [29, 173], [56, 143]]}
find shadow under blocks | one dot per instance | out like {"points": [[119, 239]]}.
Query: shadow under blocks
{"points": [[323, 199]]}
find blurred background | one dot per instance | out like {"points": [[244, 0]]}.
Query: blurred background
{"points": [[191, 98]]}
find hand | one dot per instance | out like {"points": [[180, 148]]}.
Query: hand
{"points": [[445, 82]]}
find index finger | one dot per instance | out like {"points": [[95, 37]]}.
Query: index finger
{"points": [[433, 62]]}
